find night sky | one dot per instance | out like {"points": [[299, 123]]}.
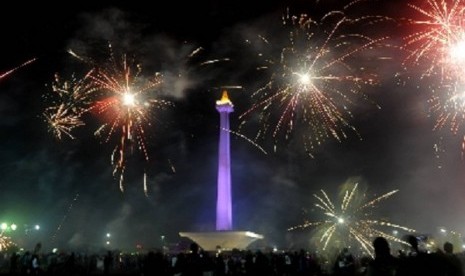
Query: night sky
{"points": [[69, 183]]}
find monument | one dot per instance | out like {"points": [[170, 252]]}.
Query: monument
{"points": [[224, 237]]}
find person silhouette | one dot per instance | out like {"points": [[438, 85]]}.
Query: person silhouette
{"points": [[384, 264], [417, 262], [452, 264]]}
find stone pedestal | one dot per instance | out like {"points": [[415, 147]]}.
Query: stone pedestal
{"points": [[225, 240]]}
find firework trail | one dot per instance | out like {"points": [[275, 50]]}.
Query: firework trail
{"points": [[53, 238], [9, 72], [350, 220], [313, 79]]}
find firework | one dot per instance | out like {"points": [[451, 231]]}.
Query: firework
{"points": [[119, 96], [449, 109], [439, 38], [127, 107], [9, 72], [351, 220], [70, 207], [438, 47], [68, 101], [313, 81], [5, 242]]}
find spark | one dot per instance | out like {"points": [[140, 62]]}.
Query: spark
{"points": [[245, 138], [146, 192], [173, 168], [213, 61], [312, 82], [350, 220]]}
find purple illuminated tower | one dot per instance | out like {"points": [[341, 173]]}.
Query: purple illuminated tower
{"points": [[223, 237], [223, 200]]}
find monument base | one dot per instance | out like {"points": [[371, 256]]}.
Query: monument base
{"points": [[225, 240]]}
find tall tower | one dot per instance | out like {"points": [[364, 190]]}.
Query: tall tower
{"points": [[223, 237], [223, 199]]}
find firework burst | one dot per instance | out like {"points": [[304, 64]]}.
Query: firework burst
{"points": [[448, 107], [127, 107], [351, 220], [69, 100], [116, 93], [5, 242], [313, 79], [439, 38], [438, 46]]}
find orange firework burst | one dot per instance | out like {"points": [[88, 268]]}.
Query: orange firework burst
{"points": [[127, 107], [313, 79]]}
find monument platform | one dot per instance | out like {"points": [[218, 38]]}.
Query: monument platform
{"points": [[225, 240]]}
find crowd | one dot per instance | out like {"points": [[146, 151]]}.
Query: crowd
{"points": [[196, 262]]}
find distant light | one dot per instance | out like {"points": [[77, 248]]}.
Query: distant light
{"points": [[108, 235], [275, 249], [129, 99], [37, 227], [340, 220], [54, 250], [14, 227], [395, 232], [463, 246], [108, 242], [4, 226], [253, 235], [443, 230]]}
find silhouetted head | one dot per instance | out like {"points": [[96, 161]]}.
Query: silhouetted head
{"points": [[448, 247], [381, 246], [412, 240]]}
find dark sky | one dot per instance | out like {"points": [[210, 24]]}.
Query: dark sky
{"points": [[40, 175]]}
